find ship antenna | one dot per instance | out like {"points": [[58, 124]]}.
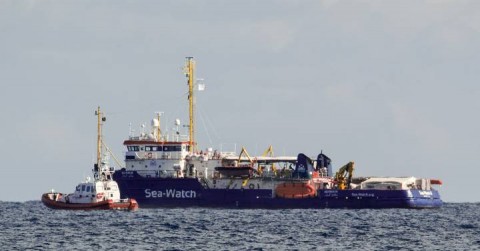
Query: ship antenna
{"points": [[189, 69]]}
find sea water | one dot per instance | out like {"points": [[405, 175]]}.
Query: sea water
{"points": [[32, 226]]}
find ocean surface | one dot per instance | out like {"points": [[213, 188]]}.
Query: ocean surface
{"points": [[32, 226]]}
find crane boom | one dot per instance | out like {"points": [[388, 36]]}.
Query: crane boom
{"points": [[344, 175]]}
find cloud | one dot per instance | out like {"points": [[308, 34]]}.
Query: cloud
{"points": [[274, 34], [412, 123], [51, 136], [340, 91]]}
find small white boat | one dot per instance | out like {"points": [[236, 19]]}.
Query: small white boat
{"points": [[100, 193]]}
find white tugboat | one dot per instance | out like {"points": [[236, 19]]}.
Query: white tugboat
{"points": [[100, 193]]}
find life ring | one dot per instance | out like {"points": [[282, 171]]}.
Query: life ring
{"points": [[149, 155], [251, 186], [99, 196]]}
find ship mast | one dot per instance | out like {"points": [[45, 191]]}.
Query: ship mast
{"points": [[190, 65], [101, 119]]}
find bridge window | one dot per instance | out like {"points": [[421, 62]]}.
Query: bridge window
{"points": [[88, 188], [172, 148], [83, 188], [148, 148], [132, 148]]}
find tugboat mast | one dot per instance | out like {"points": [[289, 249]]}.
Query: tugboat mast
{"points": [[99, 138], [190, 65]]}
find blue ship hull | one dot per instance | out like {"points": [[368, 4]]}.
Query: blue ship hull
{"points": [[189, 192]]}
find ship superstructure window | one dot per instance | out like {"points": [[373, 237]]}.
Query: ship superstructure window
{"points": [[172, 148], [153, 148], [83, 188], [133, 148], [88, 189]]}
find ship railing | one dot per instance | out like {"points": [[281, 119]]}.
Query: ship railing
{"points": [[158, 173], [156, 155]]}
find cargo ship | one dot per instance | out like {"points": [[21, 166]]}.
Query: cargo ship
{"points": [[163, 170]]}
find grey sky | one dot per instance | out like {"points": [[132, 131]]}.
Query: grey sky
{"points": [[391, 85]]}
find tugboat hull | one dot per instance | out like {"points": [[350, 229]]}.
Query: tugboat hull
{"points": [[51, 200]]}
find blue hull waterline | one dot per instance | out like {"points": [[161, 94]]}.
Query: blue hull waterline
{"points": [[189, 192]]}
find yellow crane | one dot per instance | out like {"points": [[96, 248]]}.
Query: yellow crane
{"points": [[344, 175], [244, 152], [269, 153]]}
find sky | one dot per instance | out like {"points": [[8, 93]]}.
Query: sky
{"points": [[391, 85]]}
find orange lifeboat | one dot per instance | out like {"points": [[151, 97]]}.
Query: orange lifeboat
{"points": [[295, 190]]}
